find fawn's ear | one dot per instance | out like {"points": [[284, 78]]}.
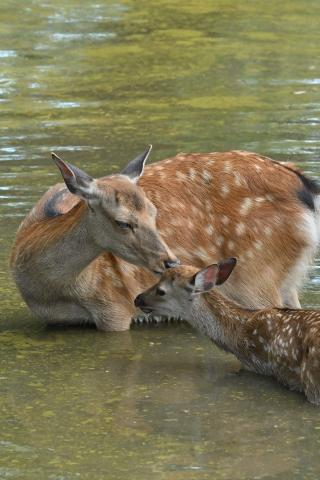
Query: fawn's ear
{"points": [[225, 269], [134, 169], [213, 275], [77, 181], [205, 279]]}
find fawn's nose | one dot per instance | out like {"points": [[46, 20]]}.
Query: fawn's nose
{"points": [[139, 302], [171, 263]]}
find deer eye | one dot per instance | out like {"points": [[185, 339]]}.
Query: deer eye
{"points": [[160, 292], [124, 225]]}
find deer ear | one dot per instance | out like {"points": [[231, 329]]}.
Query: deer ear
{"points": [[77, 181], [205, 279], [134, 169], [209, 277], [225, 269]]}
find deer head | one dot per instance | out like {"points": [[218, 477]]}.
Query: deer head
{"points": [[172, 296], [120, 218]]}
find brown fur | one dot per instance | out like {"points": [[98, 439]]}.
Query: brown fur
{"points": [[38, 236]]}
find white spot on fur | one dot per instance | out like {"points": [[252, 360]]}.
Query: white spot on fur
{"points": [[240, 229], [209, 229], [180, 175], [237, 179], [225, 220], [192, 173], [258, 245], [206, 176], [219, 240], [268, 231], [269, 197], [245, 206], [227, 166], [231, 245], [225, 190]]}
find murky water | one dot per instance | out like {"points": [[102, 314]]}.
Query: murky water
{"points": [[97, 82]]}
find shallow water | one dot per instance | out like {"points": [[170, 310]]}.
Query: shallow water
{"points": [[97, 83]]}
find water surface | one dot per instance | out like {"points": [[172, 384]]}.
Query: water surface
{"points": [[96, 83]]}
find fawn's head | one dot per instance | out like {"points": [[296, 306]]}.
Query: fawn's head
{"points": [[121, 219], [172, 296]]}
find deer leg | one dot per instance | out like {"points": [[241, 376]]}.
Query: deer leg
{"points": [[61, 313], [310, 373], [114, 317]]}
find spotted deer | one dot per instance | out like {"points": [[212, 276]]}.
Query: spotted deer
{"points": [[72, 252], [279, 342]]}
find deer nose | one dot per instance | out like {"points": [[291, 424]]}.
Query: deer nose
{"points": [[171, 263], [139, 302]]}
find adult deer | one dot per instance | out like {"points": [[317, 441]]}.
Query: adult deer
{"points": [[283, 343], [210, 206]]}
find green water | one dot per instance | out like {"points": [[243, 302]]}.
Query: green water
{"points": [[97, 82]]}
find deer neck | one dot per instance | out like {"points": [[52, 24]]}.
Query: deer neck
{"points": [[220, 319], [67, 250]]}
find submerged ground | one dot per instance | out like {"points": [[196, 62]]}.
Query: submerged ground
{"points": [[97, 82]]}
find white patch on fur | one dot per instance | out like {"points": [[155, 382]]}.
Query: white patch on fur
{"points": [[219, 240], [206, 176], [237, 179], [231, 245], [258, 245], [240, 229], [225, 220], [180, 175], [192, 173], [270, 197], [209, 229], [225, 190], [308, 229], [245, 206], [227, 166]]}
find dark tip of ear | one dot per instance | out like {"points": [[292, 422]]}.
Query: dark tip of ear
{"points": [[134, 168], [55, 157]]}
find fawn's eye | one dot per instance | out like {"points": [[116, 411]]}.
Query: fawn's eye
{"points": [[160, 292], [124, 225]]}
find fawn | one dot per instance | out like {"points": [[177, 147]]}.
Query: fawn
{"points": [[70, 258], [280, 342]]}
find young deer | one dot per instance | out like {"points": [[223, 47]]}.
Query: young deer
{"points": [[210, 206], [283, 343]]}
